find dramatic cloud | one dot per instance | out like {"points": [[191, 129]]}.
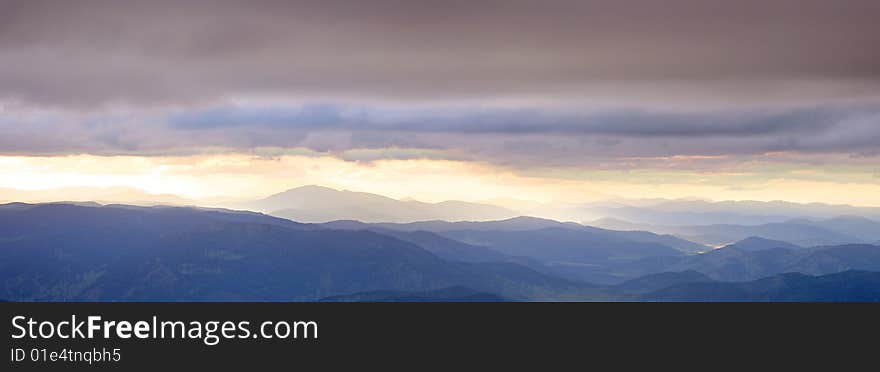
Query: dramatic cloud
{"points": [[510, 136], [89, 52]]}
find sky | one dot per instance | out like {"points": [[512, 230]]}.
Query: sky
{"points": [[551, 101]]}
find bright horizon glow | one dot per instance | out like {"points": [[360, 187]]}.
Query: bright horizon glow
{"points": [[221, 178]]}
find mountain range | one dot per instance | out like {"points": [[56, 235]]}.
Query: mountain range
{"points": [[93, 252], [687, 225], [569, 250], [323, 204], [70, 252], [803, 232], [511, 226]]}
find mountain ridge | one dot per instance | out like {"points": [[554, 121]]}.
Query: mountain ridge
{"points": [[528, 223], [318, 204], [69, 252], [799, 232]]}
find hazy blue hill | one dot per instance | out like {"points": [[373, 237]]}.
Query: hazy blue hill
{"points": [[864, 229], [570, 250], [596, 255], [849, 286], [735, 264], [802, 232], [754, 244], [443, 247], [449, 249], [322, 204], [832, 259], [66, 252], [654, 282], [668, 240], [518, 224], [551, 245], [574, 254], [452, 294]]}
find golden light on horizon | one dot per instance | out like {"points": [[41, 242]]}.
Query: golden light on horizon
{"points": [[235, 177]]}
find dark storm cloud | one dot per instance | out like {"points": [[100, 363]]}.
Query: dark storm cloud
{"points": [[82, 53]]}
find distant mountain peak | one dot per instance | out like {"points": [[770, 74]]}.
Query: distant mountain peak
{"points": [[314, 203], [310, 188]]}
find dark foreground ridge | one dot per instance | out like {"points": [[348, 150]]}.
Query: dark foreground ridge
{"points": [[452, 294], [849, 286], [59, 252]]}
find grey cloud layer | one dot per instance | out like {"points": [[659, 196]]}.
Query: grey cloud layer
{"points": [[514, 137], [89, 52], [520, 83], [523, 121]]}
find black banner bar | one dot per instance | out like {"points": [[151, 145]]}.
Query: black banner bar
{"points": [[383, 334]]}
